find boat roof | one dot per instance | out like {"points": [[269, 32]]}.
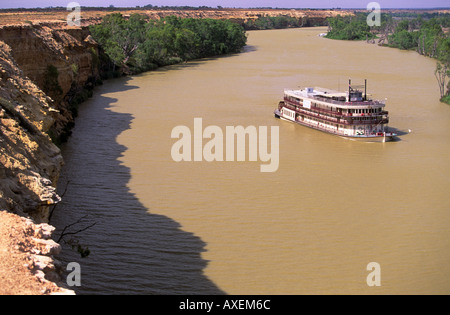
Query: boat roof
{"points": [[329, 92], [316, 91]]}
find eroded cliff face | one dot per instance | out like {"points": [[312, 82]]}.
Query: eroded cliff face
{"points": [[71, 52], [30, 163], [34, 105]]}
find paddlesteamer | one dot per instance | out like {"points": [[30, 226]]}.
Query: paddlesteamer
{"points": [[349, 114]]}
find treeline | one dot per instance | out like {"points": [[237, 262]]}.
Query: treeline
{"points": [[429, 37], [138, 45], [427, 34], [275, 22], [282, 22], [414, 14], [349, 27]]}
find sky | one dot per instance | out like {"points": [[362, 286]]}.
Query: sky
{"points": [[4, 4]]}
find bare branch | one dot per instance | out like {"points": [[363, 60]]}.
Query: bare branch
{"points": [[54, 207], [64, 233]]}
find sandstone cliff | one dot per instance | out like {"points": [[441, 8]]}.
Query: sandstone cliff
{"points": [[70, 51], [30, 162]]}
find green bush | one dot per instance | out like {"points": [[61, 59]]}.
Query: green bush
{"points": [[141, 45], [350, 28], [404, 40], [268, 23]]}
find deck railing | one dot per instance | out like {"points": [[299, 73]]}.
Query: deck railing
{"points": [[332, 112], [337, 120]]}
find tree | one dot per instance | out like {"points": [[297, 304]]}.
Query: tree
{"points": [[349, 28], [441, 73], [404, 39], [120, 38], [186, 44], [138, 45]]}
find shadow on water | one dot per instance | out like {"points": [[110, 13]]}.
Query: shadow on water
{"points": [[132, 250], [399, 133]]}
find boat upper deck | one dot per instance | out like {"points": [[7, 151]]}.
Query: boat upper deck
{"points": [[331, 97]]}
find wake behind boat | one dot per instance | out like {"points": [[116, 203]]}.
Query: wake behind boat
{"points": [[347, 114]]}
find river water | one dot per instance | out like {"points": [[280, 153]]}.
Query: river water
{"points": [[312, 227]]}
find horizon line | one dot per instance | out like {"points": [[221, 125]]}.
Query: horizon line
{"points": [[222, 8]]}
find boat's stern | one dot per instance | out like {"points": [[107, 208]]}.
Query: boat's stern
{"points": [[389, 136], [277, 113]]}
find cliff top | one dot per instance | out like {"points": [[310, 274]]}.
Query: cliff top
{"points": [[92, 16]]}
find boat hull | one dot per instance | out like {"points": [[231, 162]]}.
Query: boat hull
{"points": [[385, 137]]}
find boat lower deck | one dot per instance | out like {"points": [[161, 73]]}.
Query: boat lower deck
{"points": [[379, 137]]}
